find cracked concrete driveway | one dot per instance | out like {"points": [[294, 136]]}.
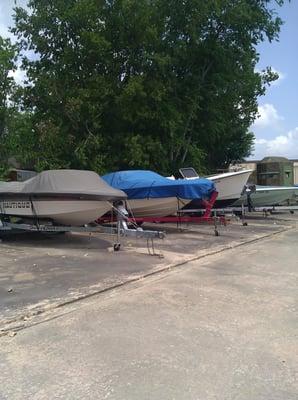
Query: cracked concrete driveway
{"points": [[38, 273], [221, 327]]}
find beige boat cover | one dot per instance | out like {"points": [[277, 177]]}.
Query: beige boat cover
{"points": [[63, 183]]}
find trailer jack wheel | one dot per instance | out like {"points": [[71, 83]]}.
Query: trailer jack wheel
{"points": [[117, 246], [244, 224], [216, 232]]}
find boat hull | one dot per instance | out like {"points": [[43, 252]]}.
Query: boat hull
{"points": [[72, 212], [230, 186], [268, 197], [159, 207]]}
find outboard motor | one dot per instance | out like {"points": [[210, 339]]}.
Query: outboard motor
{"points": [[248, 189]]}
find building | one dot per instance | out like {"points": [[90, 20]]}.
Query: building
{"points": [[275, 171], [295, 165], [288, 172]]}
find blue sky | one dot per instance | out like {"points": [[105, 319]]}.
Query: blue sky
{"points": [[276, 129]]}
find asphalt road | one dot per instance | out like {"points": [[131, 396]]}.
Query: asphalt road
{"points": [[224, 327]]}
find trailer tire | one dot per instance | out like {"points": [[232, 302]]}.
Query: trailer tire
{"points": [[117, 246]]}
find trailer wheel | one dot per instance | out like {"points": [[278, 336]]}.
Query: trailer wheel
{"points": [[216, 232], [244, 224], [117, 246]]}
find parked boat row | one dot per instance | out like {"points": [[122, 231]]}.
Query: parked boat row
{"points": [[76, 198], [233, 191]]}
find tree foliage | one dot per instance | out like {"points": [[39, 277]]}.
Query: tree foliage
{"points": [[8, 54], [7, 64], [143, 83]]}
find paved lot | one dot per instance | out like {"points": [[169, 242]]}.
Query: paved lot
{"points": [[222, 327], [43, 272]]}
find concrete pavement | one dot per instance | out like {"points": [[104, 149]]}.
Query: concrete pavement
{"points": [[41, 273], [223, 327]]}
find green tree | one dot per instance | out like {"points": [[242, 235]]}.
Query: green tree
{"points": [[7, 64], [144, 83], [8, 54]]}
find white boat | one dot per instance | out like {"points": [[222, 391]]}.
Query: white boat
{"points": [[268, 196], [152, 195], [67, 197], [159, 207], [229, 185]]}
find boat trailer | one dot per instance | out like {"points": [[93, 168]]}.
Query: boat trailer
{"points": [[265, 210], [243, 211], [203, 216], [120, 229]]}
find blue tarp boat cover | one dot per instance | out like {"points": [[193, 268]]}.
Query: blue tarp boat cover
{"points": [[138, 184]]}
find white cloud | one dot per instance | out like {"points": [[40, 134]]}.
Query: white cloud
{"points": [[282, 145], [19, 75], [268, 116]]}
